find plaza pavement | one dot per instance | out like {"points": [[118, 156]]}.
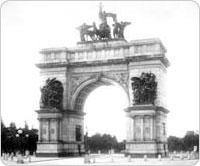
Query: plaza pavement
{"points": [[117, 159]]}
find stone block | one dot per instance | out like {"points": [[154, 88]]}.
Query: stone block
{"points": [[20, 159], [152, 117]]}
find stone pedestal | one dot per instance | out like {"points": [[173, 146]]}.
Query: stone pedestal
{"points": [[49, 149], [58, 133], [49, 143], [146, 131], [72, 133]]}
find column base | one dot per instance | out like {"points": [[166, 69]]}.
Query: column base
{"points": [[49, 154], [141, 155], [149, 148], [49, 149], [63, 154], [60, 149], [148, 136]]}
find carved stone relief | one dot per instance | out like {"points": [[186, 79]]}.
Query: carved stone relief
{"points": [[121, 78], [76, 81], [52, 131]]}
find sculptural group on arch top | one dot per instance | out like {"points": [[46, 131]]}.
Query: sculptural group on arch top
{"points": [[91, 32]]}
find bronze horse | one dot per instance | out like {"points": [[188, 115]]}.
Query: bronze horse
{"points": [[103, 32]]}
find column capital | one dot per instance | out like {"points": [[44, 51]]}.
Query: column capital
{"points": [[142, 116], [40, 119]]}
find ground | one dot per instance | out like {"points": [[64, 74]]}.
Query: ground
{"points": [[117, 159]]}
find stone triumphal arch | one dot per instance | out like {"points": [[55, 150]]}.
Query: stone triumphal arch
{"points": [[70, 74]]}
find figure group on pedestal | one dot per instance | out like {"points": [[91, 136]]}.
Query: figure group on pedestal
{"points": [[118, 31], [144, 88], [91, 32], [51, 94]]}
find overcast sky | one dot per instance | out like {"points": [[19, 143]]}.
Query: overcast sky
{"points": [[28, 26]]}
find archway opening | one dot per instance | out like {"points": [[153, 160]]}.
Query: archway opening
{"points": [[104, 108]]}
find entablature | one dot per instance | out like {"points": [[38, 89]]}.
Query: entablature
{"points": [[114, 51]]}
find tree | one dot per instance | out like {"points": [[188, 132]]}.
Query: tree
{"points": [[26, 125], [13, 125], [95, 142], [104, 143], [120, 146], [11, 143], [3, 137], [175, 143], [186, 143], [33, 138], [190, 141]]}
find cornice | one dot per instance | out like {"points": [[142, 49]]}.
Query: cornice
{"points": [[146, 107]]}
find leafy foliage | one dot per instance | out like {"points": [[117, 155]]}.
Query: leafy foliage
{"points": [[186, 143], [190, 141], [104, 143], [3, 135], [11, 143]]}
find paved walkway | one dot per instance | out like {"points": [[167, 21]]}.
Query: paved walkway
{"points": [[102, 160]]}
